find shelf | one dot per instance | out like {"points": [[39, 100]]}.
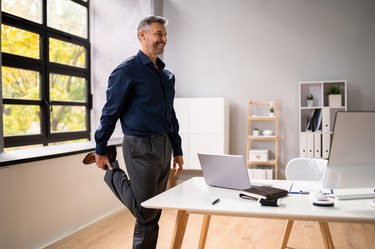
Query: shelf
{"points": [[262, 118], [318, 132], [316, 121], [267, 138], [310, 107], [259, 117], [272, 162]]}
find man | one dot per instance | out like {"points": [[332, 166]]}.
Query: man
{"points": [[140, 93]]}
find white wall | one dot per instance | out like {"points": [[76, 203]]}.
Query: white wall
{"points": [[113, 39], [261, 49], [44, 201]]}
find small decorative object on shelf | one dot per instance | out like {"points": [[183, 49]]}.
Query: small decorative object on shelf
{"points": [[310, 100], [272, 111], [256, 132], [334, 96], [258, 155], [267, 133]]}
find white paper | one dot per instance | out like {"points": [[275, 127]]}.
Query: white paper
{"points": [[306, 187]]}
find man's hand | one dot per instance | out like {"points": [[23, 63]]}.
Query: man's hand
{"points": [[180, 161], [102, 162]]}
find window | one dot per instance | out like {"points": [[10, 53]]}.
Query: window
{"points": [[45, 72]]}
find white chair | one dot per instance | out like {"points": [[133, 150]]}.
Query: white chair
{"points": [[307, 169]]}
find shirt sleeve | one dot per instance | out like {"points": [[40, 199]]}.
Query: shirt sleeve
{"points": [[118, 88], [174, 137]]}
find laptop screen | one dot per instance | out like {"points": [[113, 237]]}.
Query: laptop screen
{"points": [[225, 171]]}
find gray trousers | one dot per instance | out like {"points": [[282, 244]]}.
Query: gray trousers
{"points": [[147, 162]]}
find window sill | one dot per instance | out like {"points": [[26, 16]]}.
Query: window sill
{"points": [[48, 152]]}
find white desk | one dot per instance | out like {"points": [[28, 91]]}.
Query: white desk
{"points": [[194, 196]]}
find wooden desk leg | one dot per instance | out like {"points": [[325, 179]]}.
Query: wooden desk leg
{"points": [[329, 236], [179, 229], [172, 178], [324, 228], [287, 230], [204, 231]]}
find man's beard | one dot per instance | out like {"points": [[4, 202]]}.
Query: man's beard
{"points": [[159, 48]]}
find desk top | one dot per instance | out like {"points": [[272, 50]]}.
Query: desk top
{"points": [[195, 196]]}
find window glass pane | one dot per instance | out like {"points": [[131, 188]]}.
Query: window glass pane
{"points": [[67, 88], [70, 141], [66, 53], [20, 83], [67, 16], [28, 9], [19, 42], [21, 120], [68, 118]]}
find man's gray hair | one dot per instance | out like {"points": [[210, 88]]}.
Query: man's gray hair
{"points": [[147, 21]]}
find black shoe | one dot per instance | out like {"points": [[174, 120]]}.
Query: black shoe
{"points": [[111, 153]]}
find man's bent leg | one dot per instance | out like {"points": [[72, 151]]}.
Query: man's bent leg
{"points": [[119, 183]]}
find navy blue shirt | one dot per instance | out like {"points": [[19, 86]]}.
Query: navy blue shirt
{"points": [[141, 96]]}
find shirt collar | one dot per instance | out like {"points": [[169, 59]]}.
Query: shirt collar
{"points": [[145, 60]]}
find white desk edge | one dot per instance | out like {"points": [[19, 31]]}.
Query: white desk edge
{"points": [[194, 196]]}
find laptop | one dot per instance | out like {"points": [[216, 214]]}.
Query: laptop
{"points": [[225, 171]]}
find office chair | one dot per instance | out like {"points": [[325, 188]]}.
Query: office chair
{"points": [[307, 169]]}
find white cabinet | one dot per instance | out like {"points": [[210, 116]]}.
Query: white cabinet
{"points": [[204, 127], [316, 119]]}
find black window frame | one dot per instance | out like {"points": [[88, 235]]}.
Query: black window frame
{"points": [[45, 67]]}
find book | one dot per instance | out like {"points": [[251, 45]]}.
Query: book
{"points": [[309, 120], [263, 192], [318, 119]]}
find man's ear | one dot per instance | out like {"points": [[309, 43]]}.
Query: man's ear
{"points": [[142, 35]]}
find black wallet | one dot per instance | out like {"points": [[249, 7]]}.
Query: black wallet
{"points": [[263, 192]]}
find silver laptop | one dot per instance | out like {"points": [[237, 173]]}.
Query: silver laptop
{"points": [[225, 171]]}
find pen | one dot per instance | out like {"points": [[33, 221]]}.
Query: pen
{"points": [[215, 201], [303, 192]]}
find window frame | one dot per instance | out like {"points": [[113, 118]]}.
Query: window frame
{"points": [[45, 67]]}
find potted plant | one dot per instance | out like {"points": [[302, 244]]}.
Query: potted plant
{"points": [[272, 111], [334, 96], [310, 100], [256, 132]]}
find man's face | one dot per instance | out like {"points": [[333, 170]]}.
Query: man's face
{"points": [[154, 38]]}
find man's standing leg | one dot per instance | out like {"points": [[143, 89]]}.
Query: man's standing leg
{"points": [[148, 165]]}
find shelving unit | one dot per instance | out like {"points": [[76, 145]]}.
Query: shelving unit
{"points": [[316, 121], [259, 117]]}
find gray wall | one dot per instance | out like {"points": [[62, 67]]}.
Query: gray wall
{"points": [[261, 49]]}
